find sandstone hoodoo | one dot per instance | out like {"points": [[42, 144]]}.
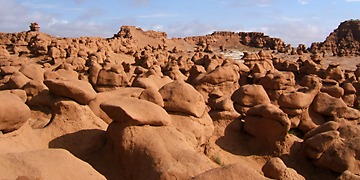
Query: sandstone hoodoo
{"points": [[140, 105]]}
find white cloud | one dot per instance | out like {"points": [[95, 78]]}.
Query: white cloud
{"points": [[352, 0], [303, 2], [157, 15], [140, 2], [193, 28], [55, 21], [241, 3], [291, 19], [297, 32]]}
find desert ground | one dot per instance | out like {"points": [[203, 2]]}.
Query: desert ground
{"points": [[140, 105]]}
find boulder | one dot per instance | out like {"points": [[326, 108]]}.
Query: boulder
{"points": [[199, 129], [332, 88], [180, 96], [334, 146], [19, 93], [18, 80], [277, 80], [157, 152], [117, 94], [296, 104], [111, 78], [152, 81], [266, 121], [230, 172], [13, 112], [152, 95], [348, 88], [45, 164], [61, 74], [250, 95], [299, 99], [347, 175], [94, 73], [81, 91], [334, 72], [229, 72], [54, 53], [4, 53], [33, 71], [34, 87], [8, 70], [327, 105], [136, 112], [276, 169]]}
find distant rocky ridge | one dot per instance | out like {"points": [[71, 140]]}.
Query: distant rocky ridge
{"points": [[343, 41]]}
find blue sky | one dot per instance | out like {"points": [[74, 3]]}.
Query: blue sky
{"points": [[295, 21]]}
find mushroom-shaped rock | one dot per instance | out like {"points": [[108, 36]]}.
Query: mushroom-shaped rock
{"points": [[334, 72], [296, 104], [13, 112], [136, 112], [276, 169], [112, 95], [268, 122], [180, 96], [332, 88], [78, 90]]}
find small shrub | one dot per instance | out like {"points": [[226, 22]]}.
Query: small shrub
{"points": [[218, 161]]}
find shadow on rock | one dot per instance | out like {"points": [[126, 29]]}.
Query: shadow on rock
{"points": [[90, 146], [238, 142]]}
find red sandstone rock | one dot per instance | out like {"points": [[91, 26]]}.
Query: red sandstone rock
{"points": [[181, 97], [13, 112]]}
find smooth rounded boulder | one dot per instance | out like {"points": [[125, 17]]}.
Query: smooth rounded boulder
{"points": [[13, 112], [180, 96], [136, 112], [78, 90], [268, 122], [327, 105], [250, 95], [275, 168]]}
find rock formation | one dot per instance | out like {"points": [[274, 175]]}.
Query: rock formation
{"points": [[343, 41], [139, 105]]}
